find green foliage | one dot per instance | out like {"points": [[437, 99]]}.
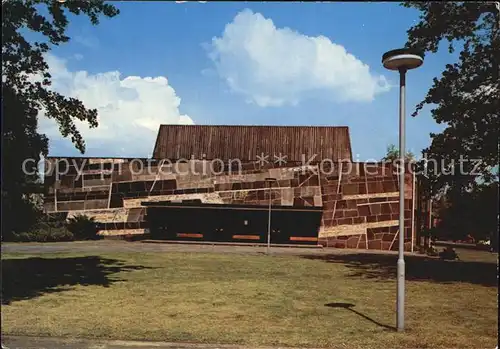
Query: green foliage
{"points": [[431, 251], [26, 92], [19, 213], [448, 253], [46, 229], [473, 212], [466, 97], [49, 235], [393, 154], [55, 229], [429, 233], [83, 227]]}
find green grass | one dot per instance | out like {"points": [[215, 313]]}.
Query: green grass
{"points": [[249, 299]]}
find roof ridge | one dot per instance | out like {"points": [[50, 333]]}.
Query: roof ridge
{"points": [[226, 125]]}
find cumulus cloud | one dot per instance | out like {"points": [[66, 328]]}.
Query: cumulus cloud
{"points": [[277, 66], [87, 41], [130, 109]]}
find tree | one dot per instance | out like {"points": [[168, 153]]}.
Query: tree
{"points": [[473, 212], [393, 154], [466, 97], [26, 93], [83, 227]]}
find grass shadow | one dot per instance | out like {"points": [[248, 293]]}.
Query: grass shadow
{"points": [[28, 278], [350, 306], [380, 266]]}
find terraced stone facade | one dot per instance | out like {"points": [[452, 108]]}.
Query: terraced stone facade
{"points": [[112, 190], [360, 204], [360, 201], [361, 208]]}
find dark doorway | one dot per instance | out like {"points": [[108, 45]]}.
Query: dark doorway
{"points": [[233, 223]]}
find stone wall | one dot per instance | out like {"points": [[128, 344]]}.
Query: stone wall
{"points": [[112, 190], [360, 201], [361, 206]]}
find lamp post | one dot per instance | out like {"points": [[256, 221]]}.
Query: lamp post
{"points": [[401, 60], [269, 181]]}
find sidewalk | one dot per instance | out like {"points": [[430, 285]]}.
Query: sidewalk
{"points": [[23, 342]]}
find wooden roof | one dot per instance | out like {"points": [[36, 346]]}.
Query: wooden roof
{"points": [[247, 142]]}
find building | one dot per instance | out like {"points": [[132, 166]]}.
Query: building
{"points": [[216, 183]]}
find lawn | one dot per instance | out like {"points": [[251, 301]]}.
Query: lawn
{"points": [[337, 301]]}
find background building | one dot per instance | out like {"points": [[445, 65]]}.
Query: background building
{"points": [[318, 195]]}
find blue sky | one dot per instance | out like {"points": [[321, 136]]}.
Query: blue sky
{"points": [[235, 63]]}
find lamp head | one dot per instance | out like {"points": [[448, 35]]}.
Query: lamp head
{"points": [[403, 58]]}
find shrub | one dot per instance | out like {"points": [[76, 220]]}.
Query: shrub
{"points": [[449, 254], [53, 235], [83, 227], [431, 251], [55, 228], [46, 229], [45, 235], [22, 237]]}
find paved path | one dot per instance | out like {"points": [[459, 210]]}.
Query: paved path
{"points": [[123, 246], [14, 342]]}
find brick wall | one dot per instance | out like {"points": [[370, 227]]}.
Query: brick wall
{"points": [[361, 206], [360, 201], [113, 200]]}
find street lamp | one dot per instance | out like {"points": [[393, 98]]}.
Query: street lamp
{"points": [[401, 60], [269, 181]]}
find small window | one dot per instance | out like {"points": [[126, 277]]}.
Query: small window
{"points": [[245, 222]]}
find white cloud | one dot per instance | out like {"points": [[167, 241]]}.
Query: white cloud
{"points": [[130, 109], [276, 66], [87, 41]]}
